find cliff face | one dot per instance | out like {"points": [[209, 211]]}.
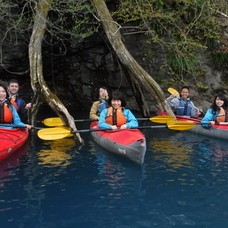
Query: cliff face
{"points": [[76, 76]]}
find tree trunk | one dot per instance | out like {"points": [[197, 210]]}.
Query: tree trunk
{"points": [[38, 84], [137, 91], [134, 69]]}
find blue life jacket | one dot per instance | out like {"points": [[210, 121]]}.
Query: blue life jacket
{"points": [[19, 101], [184, 108], [103, 105]]}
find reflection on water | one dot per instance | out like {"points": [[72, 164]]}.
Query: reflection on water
{"points": [[185, 150], [29, 191], [214, 156], [116, 187], [175, 153], [9, 166], [117, 172], [57, 155], [183, 181]]}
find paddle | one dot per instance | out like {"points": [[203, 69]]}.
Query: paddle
{"points": [[62, 132], [173, 91], [181, 125], [54, 133], [162, 119], [192, 124], [18, 126], [56, 121]]}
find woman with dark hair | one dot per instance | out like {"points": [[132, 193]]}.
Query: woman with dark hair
{"points": [[8, 114], [217, 112], [116, 116]]}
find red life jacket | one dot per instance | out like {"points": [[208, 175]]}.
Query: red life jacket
{"points": [[222, 116], [6, 115], [13, 102], [115, 117]]}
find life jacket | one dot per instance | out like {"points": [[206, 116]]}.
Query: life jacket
{"points": [[13, 101], [184, 109], [103, 105], [115, 117], [222, 116], [6, 115]]}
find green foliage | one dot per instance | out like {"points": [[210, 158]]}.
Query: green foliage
{"points": [[148, 54], [67, 20], [201, 86], [213, 43], [184, 28], [182, 61], [71, 19], [220, 59]]}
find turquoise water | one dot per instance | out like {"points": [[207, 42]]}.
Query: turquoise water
{"points": [[183, 183]]}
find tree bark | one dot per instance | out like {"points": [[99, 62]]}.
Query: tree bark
{"points": [[134, 69], [38, 83]]}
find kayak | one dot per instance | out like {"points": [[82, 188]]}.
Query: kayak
{"points": [[219, 131], [11, 141], [129, 143]]}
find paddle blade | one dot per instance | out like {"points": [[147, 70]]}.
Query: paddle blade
{"points": [[173, 91], [180, 125], [53, 122], [162, 119], [54, 133]]}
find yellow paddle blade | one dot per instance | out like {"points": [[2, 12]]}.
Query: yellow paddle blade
{"points": [[53, 122], [54, 133], [173, 91], [162, 119], [180, 125]]}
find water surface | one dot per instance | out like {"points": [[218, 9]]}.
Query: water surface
{"points": [[61, 184]]}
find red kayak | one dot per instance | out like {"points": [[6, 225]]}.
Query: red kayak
{"points": [[219, 131], [129, 143], [11, 140]]}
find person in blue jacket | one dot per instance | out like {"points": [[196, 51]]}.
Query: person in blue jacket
{"points": [[182, 104], [117, 116], [217, 112], [8, 113]]}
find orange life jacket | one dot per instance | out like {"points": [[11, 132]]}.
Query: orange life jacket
{"points": [[115, 117], [6, 115], [221, 116], [13, 102]]}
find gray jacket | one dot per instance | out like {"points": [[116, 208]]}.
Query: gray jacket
{"points": [[175, 105]]}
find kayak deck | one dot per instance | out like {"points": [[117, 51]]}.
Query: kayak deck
{"points": [[129, 143], [219, 131]]}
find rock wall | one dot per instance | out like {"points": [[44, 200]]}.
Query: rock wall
{"points": [[76, 76]]}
